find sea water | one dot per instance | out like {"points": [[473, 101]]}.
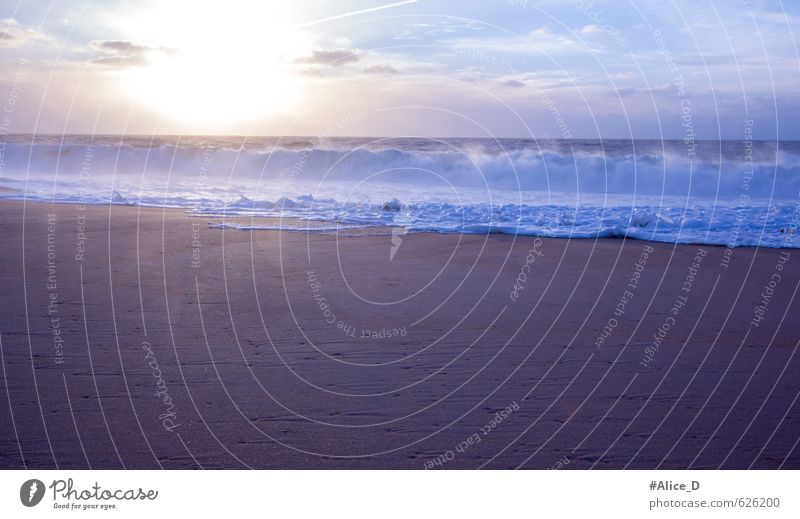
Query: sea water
{"points": [[733, 193]]}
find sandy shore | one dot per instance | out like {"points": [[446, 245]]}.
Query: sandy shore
{"points": [[142, 338]]}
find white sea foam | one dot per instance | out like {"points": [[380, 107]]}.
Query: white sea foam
{"points": [[581, 189]]}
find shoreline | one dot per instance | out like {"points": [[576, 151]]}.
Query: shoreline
{"points": [[251, 223], [184, 346]]}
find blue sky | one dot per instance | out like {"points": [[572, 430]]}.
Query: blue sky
{"points": [[512, 68]]}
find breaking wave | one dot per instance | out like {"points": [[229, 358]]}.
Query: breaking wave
{"points": [[729, 192]]}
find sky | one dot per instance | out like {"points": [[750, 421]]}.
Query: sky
{"points": [[673, 69]]}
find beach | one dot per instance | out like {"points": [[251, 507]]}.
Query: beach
{"points": [[137, 337]]}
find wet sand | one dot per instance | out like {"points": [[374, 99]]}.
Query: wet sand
{"points": [[142, 338]]}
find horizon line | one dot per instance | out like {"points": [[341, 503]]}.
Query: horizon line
{"points": [[254, 136]]}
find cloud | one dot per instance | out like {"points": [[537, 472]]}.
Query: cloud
{"points": [[122, 53], [663, 90], [591, 29], [7, 38], [437, 29], [333, 58], [12, 34], [622, 92], [120, 61], [513, 83], [541, 41], [385, 70], [118, 46]]}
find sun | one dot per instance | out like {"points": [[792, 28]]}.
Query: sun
{"points": [[219, 67]]}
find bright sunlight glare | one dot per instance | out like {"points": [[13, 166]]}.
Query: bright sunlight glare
{"points": [[218, 67]]}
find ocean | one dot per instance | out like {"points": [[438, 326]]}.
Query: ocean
{"points": [[732, 193]]}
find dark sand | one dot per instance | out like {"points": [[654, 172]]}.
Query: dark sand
{"points": [[252, 375]]}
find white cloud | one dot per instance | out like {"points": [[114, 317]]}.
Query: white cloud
{"points": [[333, 58], [12, 34], [538, 41], [123, 53]]}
